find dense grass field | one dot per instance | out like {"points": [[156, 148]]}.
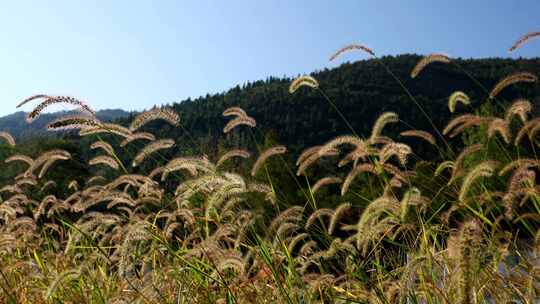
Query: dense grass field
{"points": [[461, 227]]}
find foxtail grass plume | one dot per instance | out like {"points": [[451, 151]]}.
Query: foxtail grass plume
{"points": [[191, 164], [400, 150], [443, 166], [354, 172], [106, 128], [236, 111], [105, 146], [512, 79], [247, 121], [104, 160], [20, 157], [484, 169], [384, 119], [136, 136], [526, 129], [426, 60], [456, 97], [296, 240], [313, 158], [522, 40], [36, 112], [523, 163], [151, 148], [520, 107], [56, 154], [265, 155], [325, 181], [469, 237], [461, 123], [360, 152], [420, 134], [533, 130], [306, 153], [317, 215], [46, 167], [305, 80], [164, 114], [73, 122], [8, 138], [231, 154], [33, 97], [501, 126], [341, 210], [340, 140], [458, 163], [352, 47]]}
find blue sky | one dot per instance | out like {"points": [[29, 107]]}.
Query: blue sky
{"points": [[134, 54]]}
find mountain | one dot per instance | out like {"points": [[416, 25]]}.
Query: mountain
{"points": [[17, 126], [357, 92], [351, 97], [361, 91]]}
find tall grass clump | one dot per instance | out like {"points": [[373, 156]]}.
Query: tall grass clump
{"points": [[376, 222]]}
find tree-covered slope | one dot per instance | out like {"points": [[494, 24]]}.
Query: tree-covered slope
{"points": [[360, 91]]}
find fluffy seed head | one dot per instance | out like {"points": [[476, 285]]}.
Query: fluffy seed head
{"points": [[484, 169], [231, 154], [325, 181], [305, 80], [248, 121], [511, 79], [351, 47], [313, 158], [137, 136], [151, 148], [456, 97], [20, 157], [384, 119], [38, 96], [527, 129], [265, 155], [82, 106], [354, 172], [501, 126], [316, 215], [165, 114], [236, 111], [520, 107], [336, 217], [400, 150], [522, 40], [426, 60], [104, 160], [8, 138], [462, 122], [106, 128], [191, 164], [420, 134], [105, 146], [458, 164], [73, 122], [521, 163]]}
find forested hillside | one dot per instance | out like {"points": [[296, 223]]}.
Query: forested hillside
{"points": [[360, 90]]}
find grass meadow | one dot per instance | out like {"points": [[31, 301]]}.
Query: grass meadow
{"points": [[460, 228]]}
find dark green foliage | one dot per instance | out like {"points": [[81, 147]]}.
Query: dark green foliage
{"points": [[360, 90]]}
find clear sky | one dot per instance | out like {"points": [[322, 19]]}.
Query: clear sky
{"points": [[134, 54]]}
